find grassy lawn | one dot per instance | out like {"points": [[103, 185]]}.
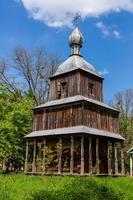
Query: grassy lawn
{"points": [[21, 187]]}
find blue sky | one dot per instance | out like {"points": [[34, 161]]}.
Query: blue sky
{"points": [[108, 41]]}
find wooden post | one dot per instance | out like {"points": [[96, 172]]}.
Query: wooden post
{"points": [[116, 161], [122, 160], [97, 156], [26, 157], [113, 158], [72, 156], [90, 155], [109, 159], [82, 156], [44, 114], [34, 159], [131, 165], [44, 157], [39, 150], [60, 156]]}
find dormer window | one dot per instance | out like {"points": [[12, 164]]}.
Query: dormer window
{"points": [[91, 89], [62, 89]]}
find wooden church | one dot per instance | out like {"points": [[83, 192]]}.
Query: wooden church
{"points": [[75, 132]]}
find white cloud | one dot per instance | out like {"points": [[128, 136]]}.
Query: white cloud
{"points": [[58, 13], [108, 30], [117, 34], [104, 72], [105, 30]]}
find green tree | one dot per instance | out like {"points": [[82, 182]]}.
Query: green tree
{"points": [[15, 123], [124, 102], [27, 86]]}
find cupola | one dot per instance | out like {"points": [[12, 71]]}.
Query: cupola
{"points": [[76, 41]]}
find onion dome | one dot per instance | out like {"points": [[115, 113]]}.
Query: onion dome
{"points": [[75, 61], [76, 41], [76, 37]]}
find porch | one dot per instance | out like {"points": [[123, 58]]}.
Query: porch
{"points": [[74, 154]]}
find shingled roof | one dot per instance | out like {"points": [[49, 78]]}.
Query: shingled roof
{"points": [[73, 99], [75, 62], [75, 130]]}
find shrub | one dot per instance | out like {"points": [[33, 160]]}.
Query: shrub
{"points": [[79, 189]]}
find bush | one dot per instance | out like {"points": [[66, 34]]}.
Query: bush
{"points": [[81, 189]]}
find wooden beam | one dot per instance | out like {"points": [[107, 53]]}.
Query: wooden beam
{"points": [[44, 157], [44, 116], [34, 158], [116, 160], [90, 155], [72, 156], [131, 165], [82, 156], [109, 159], [60, 156], [97, 156], [26, 157], [122, 160], [113, 158]]}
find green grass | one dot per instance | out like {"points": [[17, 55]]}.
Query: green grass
{"points": [[21, 187]]}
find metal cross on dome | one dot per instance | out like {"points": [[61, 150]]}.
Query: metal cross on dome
{"points": [[77, 19]]}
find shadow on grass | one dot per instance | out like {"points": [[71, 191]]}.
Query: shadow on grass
{"points": [[79, 190]]}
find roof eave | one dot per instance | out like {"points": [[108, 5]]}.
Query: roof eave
{"points": [[76, 130], [78, 69], [130, 150], [76, 101]]}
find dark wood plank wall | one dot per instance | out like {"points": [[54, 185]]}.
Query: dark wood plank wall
{"points": [[96, 81], [76, 115], [63, 117], [101, 119], [77, 84], [73, 85]]}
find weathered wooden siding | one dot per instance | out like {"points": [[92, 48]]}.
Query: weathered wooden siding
{"points": [[98, 86], [77, 84], [76, 115], [101, 119], [73, 85]]}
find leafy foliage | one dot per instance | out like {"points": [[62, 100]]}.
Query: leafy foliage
{"points": [[24, 82], [124, 102], [15, 123]]}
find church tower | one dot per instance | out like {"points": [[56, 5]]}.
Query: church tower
{"points": [[77, 120]]}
